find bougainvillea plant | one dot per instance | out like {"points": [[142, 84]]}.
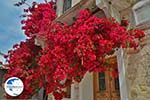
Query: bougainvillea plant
{"points": [[70, 51]]}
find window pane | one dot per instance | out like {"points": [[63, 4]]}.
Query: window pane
{"points": [[101, 75], [141, 11], [67, 5], [102, 83]]}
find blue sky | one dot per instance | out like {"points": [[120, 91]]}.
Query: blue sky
{"points": [[10, 27]]}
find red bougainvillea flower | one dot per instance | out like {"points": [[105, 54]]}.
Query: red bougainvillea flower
{"points": [[22, 63], [70, 51], [39, 18]]}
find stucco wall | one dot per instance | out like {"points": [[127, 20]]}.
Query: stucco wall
{"points": [[137, 68]]}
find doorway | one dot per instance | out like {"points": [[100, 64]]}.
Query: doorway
{"points": [[106, 87]]}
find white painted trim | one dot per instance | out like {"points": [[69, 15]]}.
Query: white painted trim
{"points": [[122, 75]]}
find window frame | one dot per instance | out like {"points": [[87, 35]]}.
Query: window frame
{"points": [[67, 5], [138, 6]]}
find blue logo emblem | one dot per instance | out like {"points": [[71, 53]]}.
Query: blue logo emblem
{"points": [[13, 86]]}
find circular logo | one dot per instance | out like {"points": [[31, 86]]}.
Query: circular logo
{"points": [[13, 86]]}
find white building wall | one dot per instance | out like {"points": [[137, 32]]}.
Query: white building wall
{"points": [[75, 91], [86, 87]]}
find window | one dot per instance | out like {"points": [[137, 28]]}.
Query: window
{"points": [[141, 12], [102, 83], [67, 5]]}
